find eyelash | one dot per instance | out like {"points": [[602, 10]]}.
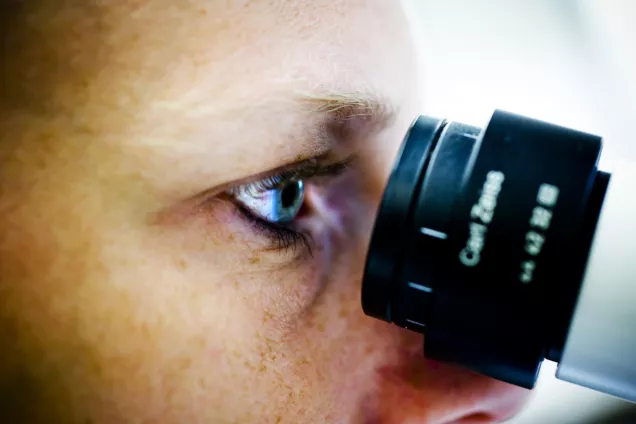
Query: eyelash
{"points": [[285, 236]]}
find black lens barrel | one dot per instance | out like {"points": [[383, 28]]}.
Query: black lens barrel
{"points": [[481, 240]]}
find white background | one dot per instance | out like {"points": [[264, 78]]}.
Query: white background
{"points": [[571, 62]]}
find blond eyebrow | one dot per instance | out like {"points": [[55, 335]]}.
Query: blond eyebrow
{"points": [[347, 105], [320, 107], [340, 104]]}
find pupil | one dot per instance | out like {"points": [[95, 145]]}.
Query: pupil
{"points": [[289, 195]]}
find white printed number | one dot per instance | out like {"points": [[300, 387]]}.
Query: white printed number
{"points": [[478, 212], [541, 218], [548, 195], [527, 271], [534, 243]]}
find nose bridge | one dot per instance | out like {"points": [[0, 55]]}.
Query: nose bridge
{"points": [[378, 155]]}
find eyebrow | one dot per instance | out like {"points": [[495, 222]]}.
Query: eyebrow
{"points": [[313, 123], [343, 106]]}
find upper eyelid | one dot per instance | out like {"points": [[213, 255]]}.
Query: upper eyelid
{"points": [[313, 169], [309, 169]]}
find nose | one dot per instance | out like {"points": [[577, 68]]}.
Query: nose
{"points": [[378, 152], [472, 398], [421, 391]]}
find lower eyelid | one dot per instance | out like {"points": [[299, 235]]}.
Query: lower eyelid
{"points": [[280, 237]]}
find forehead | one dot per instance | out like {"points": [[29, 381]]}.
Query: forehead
{"points": [[355, 44], [167, 55]]}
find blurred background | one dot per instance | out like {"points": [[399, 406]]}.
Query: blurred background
{"points": [[571, 62]]}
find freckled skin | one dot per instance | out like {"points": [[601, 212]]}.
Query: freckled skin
{"points": [[123, 297]]}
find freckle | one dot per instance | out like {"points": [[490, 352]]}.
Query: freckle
{"points": [[279, 419], [236, 353], [343, 313], [262, 369], [321, 327], [186, 363], [267, 316], [182, 265], [230, 237], [254, 260], [204, 12], [369, 349]]}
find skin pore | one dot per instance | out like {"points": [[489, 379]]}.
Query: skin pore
{"points": [[135, 286]]}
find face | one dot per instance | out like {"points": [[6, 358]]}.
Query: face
{"points": [[187, 194]]}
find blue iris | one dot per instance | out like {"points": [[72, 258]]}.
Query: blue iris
{"points": [[278, 205]]}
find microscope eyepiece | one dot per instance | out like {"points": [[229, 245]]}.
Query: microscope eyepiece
{"points": [[482, 240]]}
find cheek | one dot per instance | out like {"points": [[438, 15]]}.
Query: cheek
{"points": [[335, 346], [153, 327]]}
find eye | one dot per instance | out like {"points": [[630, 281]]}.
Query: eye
{"points": [[274, 202]]}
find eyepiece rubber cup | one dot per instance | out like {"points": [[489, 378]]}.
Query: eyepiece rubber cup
{"points": [[390, 232]]}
